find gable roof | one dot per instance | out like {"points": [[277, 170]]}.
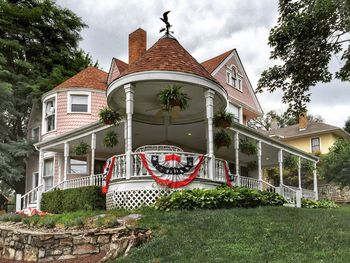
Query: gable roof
{"points": [[91, 77], [211, 64], [117, 67], [167, 54], [312, 128]]}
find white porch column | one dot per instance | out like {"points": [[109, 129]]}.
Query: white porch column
{"points": [[66, 160], [315, 181], [299, 173], [93, 148], [209, 102], [236, 146], [280, 164], [259, 165], [129, 100]]}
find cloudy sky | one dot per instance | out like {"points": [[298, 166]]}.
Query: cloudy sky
{"points": [[205, 28]]}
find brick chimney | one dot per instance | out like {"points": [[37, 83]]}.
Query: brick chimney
{"points": [[303, 121], [137, 44]]}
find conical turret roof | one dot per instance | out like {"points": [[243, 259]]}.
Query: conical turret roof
{"points": [[167, 54]]}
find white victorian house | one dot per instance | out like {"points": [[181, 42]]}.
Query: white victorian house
{"points": [[157, 151]]}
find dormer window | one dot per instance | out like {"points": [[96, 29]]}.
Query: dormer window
{"points": [[50, 114], [233, 78], [79, 102]]}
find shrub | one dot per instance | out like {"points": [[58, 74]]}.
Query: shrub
{"points": [[10, 217], [222, 197], [324, 203], [83, 198]]}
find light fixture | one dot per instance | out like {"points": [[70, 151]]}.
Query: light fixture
{"points": [[189, 134]]}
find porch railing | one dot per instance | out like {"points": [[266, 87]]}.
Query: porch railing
{"points": [[28, 199], [289, 194], [78, 182]]}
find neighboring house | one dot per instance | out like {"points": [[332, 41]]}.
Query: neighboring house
{"points": [[153, 146], [312, 137], [316, 138]]}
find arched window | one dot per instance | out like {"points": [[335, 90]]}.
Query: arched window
{"points": [[233, 78]]}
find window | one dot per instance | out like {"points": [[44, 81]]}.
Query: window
{"points": [[35, 184], [315, 144], [233, 78], [79, 103], [48, 174], [78, 166], [35, 134], [50, 114], [234, 110]]}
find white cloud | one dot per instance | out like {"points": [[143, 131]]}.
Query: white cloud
{"points": [[205, 28]]}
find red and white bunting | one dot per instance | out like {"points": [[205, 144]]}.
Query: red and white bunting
{"points": [[107, 173], [172, 170]]}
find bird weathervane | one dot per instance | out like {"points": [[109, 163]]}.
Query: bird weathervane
{"points": [[167, 24]]}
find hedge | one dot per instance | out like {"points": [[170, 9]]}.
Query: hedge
{"points": [[70, 200], [223, 197]]}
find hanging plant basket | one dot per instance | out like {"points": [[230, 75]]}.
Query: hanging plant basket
{"points": [[172, 96], [247, 146], [81, 149], [221, 139], [111, 139], [223, 119], [108, 116]]}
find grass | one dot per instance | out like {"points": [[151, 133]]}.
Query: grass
{"points": [[265, 234]]}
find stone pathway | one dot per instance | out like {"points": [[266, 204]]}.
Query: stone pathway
{"points": [[88, 259]]}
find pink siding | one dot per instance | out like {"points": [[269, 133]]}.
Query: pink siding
{"points": [[70, 121], [245, 96]]}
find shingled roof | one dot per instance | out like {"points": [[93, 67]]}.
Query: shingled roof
{"points": [[167, 54], [211, 64], [90, 77], [312, 128]]}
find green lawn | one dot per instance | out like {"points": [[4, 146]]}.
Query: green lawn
{"points": [[266, 234]]}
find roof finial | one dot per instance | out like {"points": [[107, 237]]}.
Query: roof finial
{"points": [[167, 24]]}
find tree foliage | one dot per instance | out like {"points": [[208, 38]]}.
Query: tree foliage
{"points": [[307, 34], [38, 49], [282, 120], [347, 126], [335, 166]]}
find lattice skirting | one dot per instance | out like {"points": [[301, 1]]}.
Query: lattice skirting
{"points": [[134, 198]]}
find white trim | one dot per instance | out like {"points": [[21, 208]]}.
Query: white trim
{"points": [[164, 75], [64, 90], [319, 139], [43, 121], [84, 93], [273, 144]]}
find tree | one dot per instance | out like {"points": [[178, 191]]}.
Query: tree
{"points": [[264, 122], [347, 126], [38, 49], [307, 34], [335, 166]]}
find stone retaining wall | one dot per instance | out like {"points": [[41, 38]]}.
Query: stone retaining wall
{"points": [[334, 193], [21, 244]]}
